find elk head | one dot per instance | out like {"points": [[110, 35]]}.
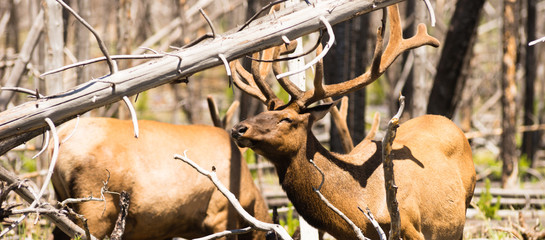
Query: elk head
{"points": [[285, 128]]}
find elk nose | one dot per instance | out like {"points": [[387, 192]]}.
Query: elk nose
{"points": [[238, 131]]}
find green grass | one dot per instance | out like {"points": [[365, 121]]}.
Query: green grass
{"points": [[485, 204]]}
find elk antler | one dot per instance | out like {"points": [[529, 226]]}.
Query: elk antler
{"points": [[255, 82], [381, 62]]}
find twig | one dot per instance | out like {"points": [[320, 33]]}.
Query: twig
{"points": [[226, 233], [291, 57], [320, 56], [431, 11], [227, 69], [47, 177], [196, 41], [100, 59], [209, 22], [259, 12], [256, 224], [101, 45], [532, 43], [356, 229], [67, 201], [45, 143], [54, 157], [119, 228], [372, 219], [73, 130], [133, 115], [5, 191], [60, 219], [389, 179], [32, 93]]}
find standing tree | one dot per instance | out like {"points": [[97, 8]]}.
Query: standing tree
{"points": [[457, 50], [346, 60], [530, 140], [508, 142]]}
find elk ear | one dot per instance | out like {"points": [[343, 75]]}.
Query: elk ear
{"points": [[319, 111]]}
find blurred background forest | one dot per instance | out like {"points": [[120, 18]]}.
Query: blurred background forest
{"points": [[484, 76]]}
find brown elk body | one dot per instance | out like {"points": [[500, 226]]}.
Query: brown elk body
{"points": [[167, 197], [433, 162], [433, 170]]}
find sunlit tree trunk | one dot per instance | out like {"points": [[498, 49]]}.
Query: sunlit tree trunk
{"points": [[508, 142]]}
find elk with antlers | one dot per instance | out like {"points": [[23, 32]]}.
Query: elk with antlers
{"points": [[167, 199], [433, 163]]}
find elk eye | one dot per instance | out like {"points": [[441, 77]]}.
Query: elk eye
{"points": [[286, 120]]}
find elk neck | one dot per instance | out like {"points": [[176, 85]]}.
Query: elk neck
{"points": [[346, 176]]}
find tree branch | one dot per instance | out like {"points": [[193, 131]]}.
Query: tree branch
{"points": [[389, 180], [21, 123], [60, 220]]}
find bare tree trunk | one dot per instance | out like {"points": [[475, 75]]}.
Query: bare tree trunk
{"points": [[124, 43], [420, 77], [508, 141], [457, 51], [346, 60], [12, 31], [82, 41], [55, 35], [530, 140]]}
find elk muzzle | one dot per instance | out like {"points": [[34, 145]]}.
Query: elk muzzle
{"points": [[237, 133]]}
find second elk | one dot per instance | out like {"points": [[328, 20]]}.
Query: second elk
{"points": [[433, 162], [167, 197]]}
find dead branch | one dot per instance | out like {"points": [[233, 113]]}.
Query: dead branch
{"points": [[389, 180], [134, 119], [101, 45], [525, 232], [38, 197], [119, 228], [372, 219], [59, 219], [254, 223], [226, 233], [100, 59], [25, 121]]}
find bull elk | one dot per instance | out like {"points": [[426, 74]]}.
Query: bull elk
{"points": [[167, 198], [433, 163]]}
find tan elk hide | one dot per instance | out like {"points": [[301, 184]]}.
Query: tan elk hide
{"points": [[167, 197], [433, 163]]}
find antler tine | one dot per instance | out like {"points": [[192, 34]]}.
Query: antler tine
{"points": [[249, 87], [381, 60], [400, 45], [286, 84], [260, 71], [319, 90]]}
